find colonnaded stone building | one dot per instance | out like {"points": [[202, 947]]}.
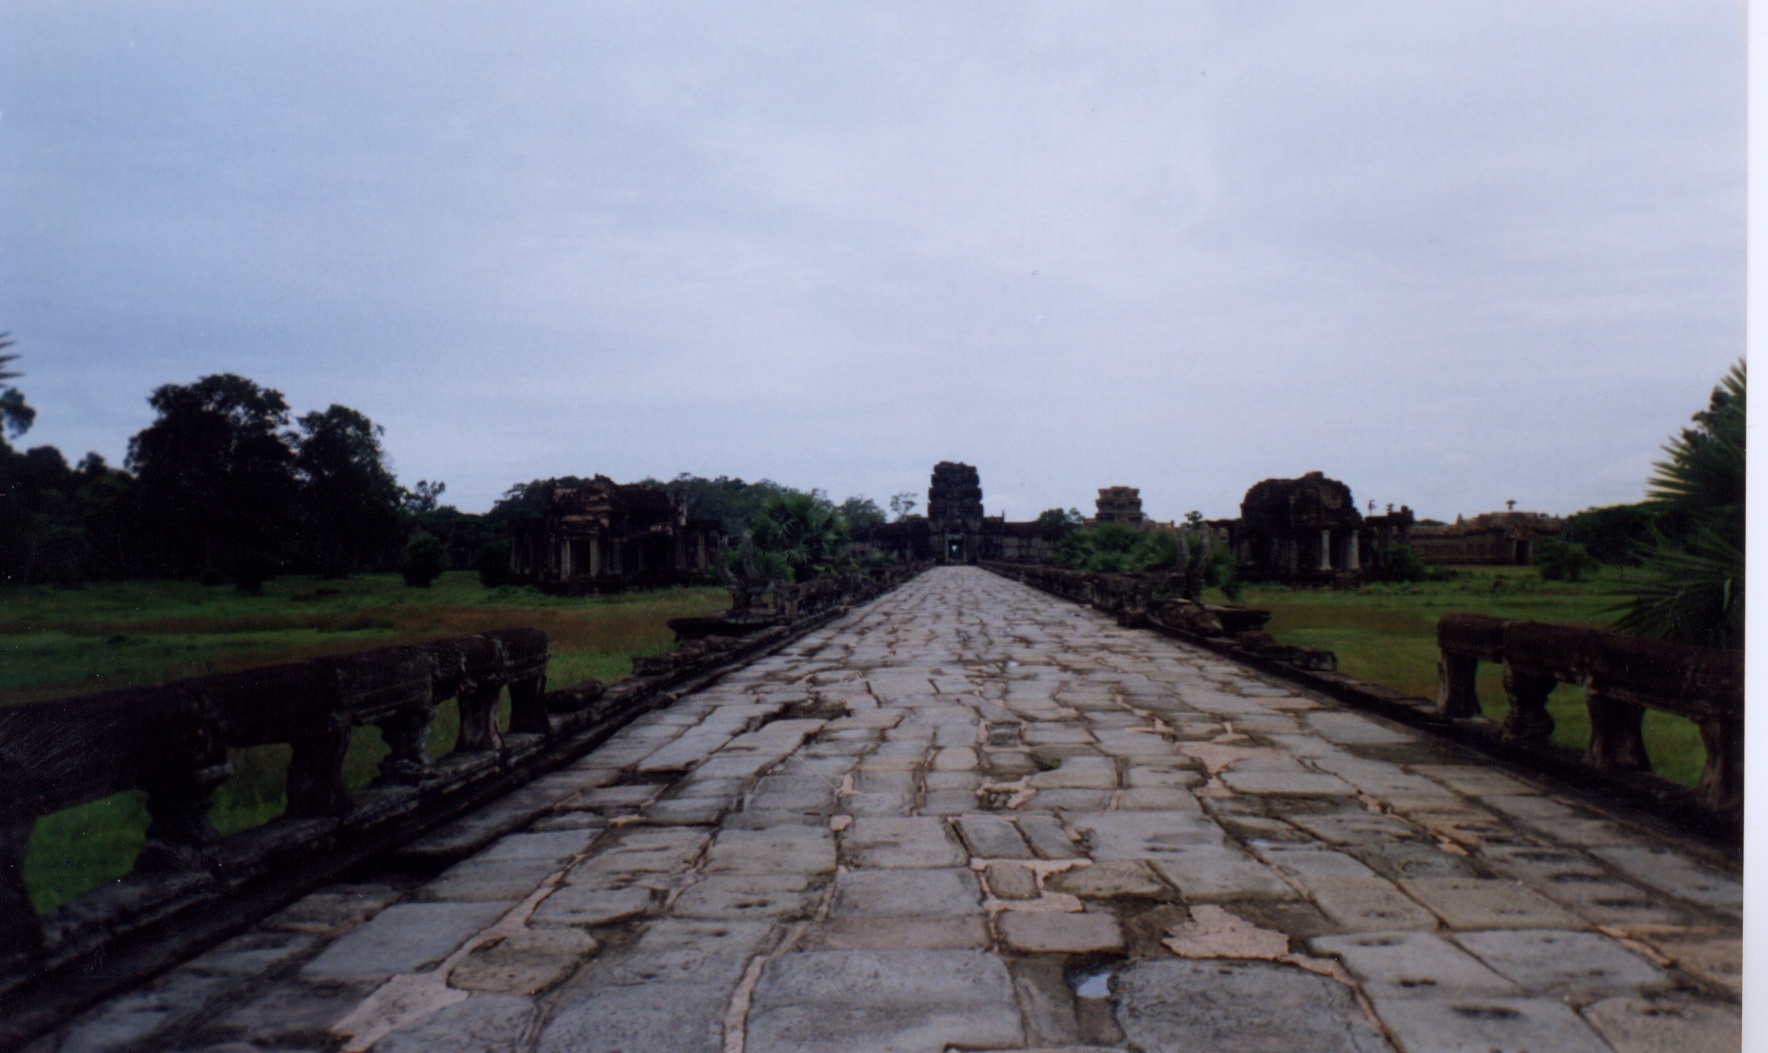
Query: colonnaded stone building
{"points": [[957, 530], [608, 536], [1508, 538], [1308, 531]]}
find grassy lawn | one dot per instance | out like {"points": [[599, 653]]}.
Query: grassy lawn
{"points": [[1386, 634], [57, 642]]}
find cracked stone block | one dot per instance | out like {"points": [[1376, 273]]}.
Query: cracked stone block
{"points": [[1011, 881], [1287, 783], [757, 896], [955, 758], [673, 1017], [689, 811], [1110, 879], [1564, 962], [1672, 872], [641, 850], [1218, 1005], [1052, 932], [1367, 905], [482, 1022], [127, 1021], [590, 906], [1716, 959], [1140, 835], [1480, 903], [253, 954], [948, 802], [1219, 874], [992, 837], [776, 850], [1416, 964], [1482, 1023], [1474, 780], [954, 932], [1636, 1025], [296, 1012], [525, 963], [489, 879], [404, 938], [331, 910], [905, 893], [1353, 827], [907, 1001], [910, 842]]}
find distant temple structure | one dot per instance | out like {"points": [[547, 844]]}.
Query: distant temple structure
{"points": [[1308, 531], [1507, 538], [1119, 504], [607, 536], [957, 530]]}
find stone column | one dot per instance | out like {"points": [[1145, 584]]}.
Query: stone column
{"points": [[1355, 558], [1325, 550]]}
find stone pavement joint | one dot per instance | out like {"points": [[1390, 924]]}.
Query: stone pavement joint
{"points": [[973, 816]]}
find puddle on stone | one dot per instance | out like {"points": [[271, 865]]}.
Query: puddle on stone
{"points": [[1092, 984]]}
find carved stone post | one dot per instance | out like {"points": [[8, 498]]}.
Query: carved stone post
{"points": [[407, 763], [1325, 550], [21, 934], [1353, 557], [478, 720], [1528, 720], [1617, 739], [316, 771], [528, 707], [179, 836], [1457, 686], [1721, 780]]}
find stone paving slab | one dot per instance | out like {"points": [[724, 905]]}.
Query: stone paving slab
{"points": [[1032, 829]]}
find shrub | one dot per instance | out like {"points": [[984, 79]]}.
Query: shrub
{"points": [[1562, 560], [493, 564], [423, 561], [1403, 564]]}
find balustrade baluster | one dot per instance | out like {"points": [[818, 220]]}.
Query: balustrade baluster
{"points": [[1528, 720], [21, 933], [528, 707], [316, 771], [179, 835], [405, 733], [1458, 686], [1617, 732], [478, 720], [1721, 779]]}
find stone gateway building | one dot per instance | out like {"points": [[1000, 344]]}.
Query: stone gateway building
{"points": [[1308, 531], [1495, 538], [957, 530], [608, 536]]}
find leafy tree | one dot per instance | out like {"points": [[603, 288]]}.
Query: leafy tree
{"points": [[1562, 560], [422, 497], [217, 476], [16, 415], [423, 561], [861, 512], [1693, 585], [1056, 517], [493, 563], [351, 502], [902, 506], [805, 529], [1616, 534]]}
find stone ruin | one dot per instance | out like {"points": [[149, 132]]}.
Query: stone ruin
{"points": [[1308, 531], [1119, 504], [608, 536]]}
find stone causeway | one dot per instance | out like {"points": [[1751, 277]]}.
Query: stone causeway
{"points": [[971, 816]]}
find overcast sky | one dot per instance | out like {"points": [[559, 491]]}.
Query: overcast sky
{"points": [[1450, 253]]}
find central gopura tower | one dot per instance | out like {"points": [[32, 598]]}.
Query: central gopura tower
{"points": [[954, 511]]}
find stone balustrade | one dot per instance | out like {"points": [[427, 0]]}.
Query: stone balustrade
{"points": [[1622, 677], [190, 886]]}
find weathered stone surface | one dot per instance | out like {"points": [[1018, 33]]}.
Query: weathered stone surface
{"points": [[1636, 1025], [901, 842], [1186, 1005], [776, 850], [482, 1022], [332, 910], [904, 893], [1140, 835], [1047, 931], [1546, 961], [1008, 880], [1674, 873], [480, 879], [1417, 964], [753, 896], [1109, 880], [525, 963], [1478, 903], [404, 938], [1367, 905], [908, 1001], [590, 906], [1219, 873], [1482, 1023], [898, 934], [992, 837]]}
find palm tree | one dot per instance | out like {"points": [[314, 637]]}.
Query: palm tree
{"points": [[804, 528], [1692, 591], [15, 415]]}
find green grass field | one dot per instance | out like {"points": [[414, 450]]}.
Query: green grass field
{"points": [[58, 642], [1386, 634]]}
